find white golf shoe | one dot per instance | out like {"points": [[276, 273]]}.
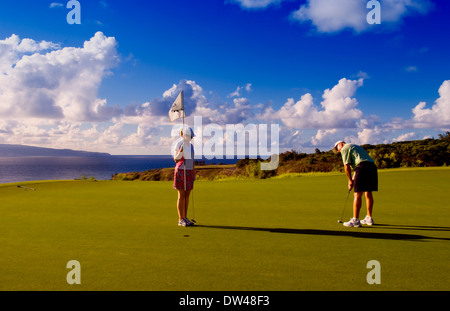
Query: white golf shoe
{"points": [[367, 221], [354, 222], [185, 223], [188, 222]]}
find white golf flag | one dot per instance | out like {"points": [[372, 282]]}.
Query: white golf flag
{"points": [[177, 110]]}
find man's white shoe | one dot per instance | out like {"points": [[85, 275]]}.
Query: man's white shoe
{"points": [[354, 222], [367, 221]]}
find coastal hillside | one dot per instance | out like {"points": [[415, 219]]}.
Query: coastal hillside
{"points": [[7, 150], [418, 153]]}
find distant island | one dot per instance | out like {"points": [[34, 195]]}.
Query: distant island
{"points": [[7, 150]]}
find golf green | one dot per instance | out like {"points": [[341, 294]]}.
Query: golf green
{"points": [[271, 235]]}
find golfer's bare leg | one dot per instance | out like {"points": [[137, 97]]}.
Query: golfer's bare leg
{"points": [[357, 201], [180, 205], [369, 203], [188, 192]]}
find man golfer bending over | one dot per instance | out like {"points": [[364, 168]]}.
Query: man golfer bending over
{"points": [[365, 179]]}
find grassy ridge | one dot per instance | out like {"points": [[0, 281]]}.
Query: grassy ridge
{"points": [[204, 172], [274, 234], [419, 153]]}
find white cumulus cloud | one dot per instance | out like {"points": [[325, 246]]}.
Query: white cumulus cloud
{"points": [[405, 137], [330, 16], [256, 4], [338, 109], [59, 84], [55, 5], [436, 116]]}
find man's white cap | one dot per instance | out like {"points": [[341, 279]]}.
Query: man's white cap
{"points": [[335, 145]]}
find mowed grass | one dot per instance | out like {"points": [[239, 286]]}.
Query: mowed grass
{"points": [[275, 234]]}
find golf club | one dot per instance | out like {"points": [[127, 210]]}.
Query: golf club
{"points": [[193, 211], [342, 215], [26, 188]]}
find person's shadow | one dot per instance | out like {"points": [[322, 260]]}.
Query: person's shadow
{"points": [[348, 233]]}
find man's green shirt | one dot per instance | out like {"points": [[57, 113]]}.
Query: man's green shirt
{"points": [[354, 155]]}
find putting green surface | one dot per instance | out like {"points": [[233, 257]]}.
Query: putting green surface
{"points": [[275, 234]]}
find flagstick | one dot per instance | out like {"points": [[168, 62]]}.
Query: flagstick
{"points": [[184, 147], [174, 113]]}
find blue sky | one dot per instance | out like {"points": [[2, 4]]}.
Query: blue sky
{"points": [[315, 67]]}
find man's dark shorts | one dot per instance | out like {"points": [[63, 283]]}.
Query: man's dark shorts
{"points": [[366, 177]]}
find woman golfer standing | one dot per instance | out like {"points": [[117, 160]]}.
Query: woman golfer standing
{"points": [[364, 181], [184, 175]]}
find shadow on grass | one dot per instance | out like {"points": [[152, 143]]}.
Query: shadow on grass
{"points": [[412, 227], [359, 233]]}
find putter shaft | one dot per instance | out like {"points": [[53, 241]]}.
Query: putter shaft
{"points": [[346, 200]]}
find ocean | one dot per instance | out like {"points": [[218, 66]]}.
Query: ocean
{"points": [[19, 169]]}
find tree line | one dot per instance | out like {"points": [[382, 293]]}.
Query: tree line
{"points": [[417, 153]]}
